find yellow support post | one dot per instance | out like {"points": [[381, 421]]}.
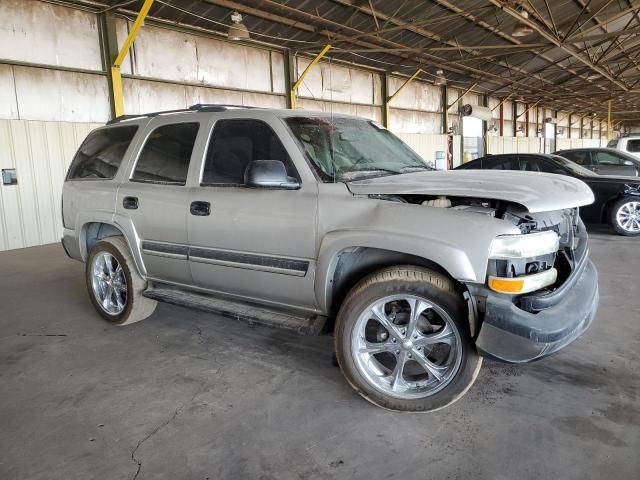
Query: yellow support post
{"points": [[407, 82], [502, 101], [116, 77], [609, 129], [294, 89], [462, 96], [535, 104]]}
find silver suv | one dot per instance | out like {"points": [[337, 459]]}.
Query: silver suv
{"points": [[330, 224]]}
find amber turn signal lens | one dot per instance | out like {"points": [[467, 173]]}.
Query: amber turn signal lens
{"points": [[506, 285], [524, 284]]}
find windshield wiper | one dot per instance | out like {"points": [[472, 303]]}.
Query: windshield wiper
{"points": [[373, 170], [416, 168]]}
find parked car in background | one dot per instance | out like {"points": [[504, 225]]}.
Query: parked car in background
{"points": [[629, 145], [617, 199], [297, 219], [604, 161]]}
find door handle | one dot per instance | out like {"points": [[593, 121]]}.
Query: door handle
{"points": [[200, 209], [130, 203]]}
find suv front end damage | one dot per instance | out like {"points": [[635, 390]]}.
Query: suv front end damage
{"points": [[542, 288]]}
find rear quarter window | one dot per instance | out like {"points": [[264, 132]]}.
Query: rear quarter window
{"points": [[633, 146], [101, 154]]}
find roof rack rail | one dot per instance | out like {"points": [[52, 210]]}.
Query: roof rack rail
{"points": [[199, 107]]}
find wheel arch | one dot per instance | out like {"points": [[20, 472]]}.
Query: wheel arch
{"points": [[92, 232], [346, 257], [605, 212]]}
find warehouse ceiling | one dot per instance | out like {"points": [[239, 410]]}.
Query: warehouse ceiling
{"points": [[570, 55]]}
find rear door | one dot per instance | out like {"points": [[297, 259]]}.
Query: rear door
{"points": [[156, 200], [502, 162], [256, 243], [582, 158]]}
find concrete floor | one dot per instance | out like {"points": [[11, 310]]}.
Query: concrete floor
{"points": [[187, 395]]}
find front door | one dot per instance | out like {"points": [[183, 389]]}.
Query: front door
{"points": [[610, 163], [256, 243], [156, 199]]}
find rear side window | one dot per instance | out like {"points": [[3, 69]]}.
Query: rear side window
{"points": [[166, 154], [501, 163], [101, 153], [633, 146], [533, 164], [581, 158]]}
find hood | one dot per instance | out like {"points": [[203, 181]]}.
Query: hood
{"points": [[537, 192]]}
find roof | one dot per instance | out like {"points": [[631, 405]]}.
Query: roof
{"points": [[580, 53]]}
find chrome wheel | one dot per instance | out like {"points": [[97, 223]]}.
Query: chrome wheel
{"points": [[628, 216], [406, 346], [109, 283]]}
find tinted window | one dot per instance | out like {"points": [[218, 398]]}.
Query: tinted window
{"points": [[581, 158], [236, 143], [612, 144], [165, 157], [606, 158], [533, 164], [101, 153], [633, 146], [503, 163]]}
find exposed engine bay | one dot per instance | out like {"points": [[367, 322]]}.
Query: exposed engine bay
{"points": [[566, 223]]}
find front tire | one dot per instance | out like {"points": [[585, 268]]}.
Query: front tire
{"points": [[625, 216], [114, 284], [402, 340]]}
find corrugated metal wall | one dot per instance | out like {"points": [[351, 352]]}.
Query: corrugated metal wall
{"points": [[40, 152]]}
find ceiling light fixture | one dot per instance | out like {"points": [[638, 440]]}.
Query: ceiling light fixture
{"points": [[522, 29], [237, 30], [440, 80]]}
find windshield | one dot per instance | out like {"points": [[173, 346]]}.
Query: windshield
{"points": [[573, 167], [343, 149]]}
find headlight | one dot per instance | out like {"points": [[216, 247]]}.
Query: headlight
{"points": [[524, 246]]}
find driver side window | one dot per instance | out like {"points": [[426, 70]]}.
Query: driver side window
{"points": [[234, 144]]}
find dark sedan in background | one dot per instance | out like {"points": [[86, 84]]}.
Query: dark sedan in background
{"points": [[603, 161], [617, 199]]}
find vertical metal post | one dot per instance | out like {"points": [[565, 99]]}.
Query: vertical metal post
{"points": [[485, 128], [569, 126], [609, 129], [386, 114], [526, 120], [108, 50], [289, 76], [445, 110], [501, 132], [514, 112]]}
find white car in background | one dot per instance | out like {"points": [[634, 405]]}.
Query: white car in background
{"points": [[630, 145]]}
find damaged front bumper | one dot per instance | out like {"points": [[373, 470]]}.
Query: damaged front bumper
{"points": [[542, 324]]}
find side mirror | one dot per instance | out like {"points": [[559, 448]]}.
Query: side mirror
{"points": [[269, 174], [628, 163]]}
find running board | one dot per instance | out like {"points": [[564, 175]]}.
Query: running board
{"points": [[253, 314]]}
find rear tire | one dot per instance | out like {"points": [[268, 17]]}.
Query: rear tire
{"points": [[114, 284], [402, 340], [625, 216]]}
